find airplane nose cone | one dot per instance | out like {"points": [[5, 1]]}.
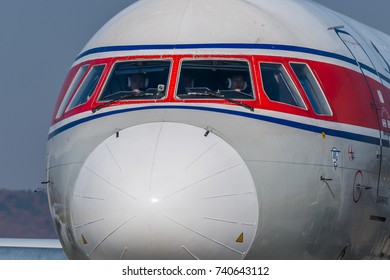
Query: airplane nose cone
{"points": [[164, 191]]}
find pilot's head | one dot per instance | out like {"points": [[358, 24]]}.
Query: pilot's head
{"points": [[136, 82], [237, 83]]}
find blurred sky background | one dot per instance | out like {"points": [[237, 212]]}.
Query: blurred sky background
{"points": [[39, 40]]}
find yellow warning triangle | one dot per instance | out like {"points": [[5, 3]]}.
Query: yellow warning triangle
{"points": [[240, 239], [84, 240]]}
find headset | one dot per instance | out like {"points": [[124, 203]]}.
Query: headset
{"points": [[229, 84], [146, 82]]}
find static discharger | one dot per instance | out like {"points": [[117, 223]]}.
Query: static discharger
{"points": [[240, 239]]}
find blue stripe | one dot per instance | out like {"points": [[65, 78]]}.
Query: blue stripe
{"points": [[216, 46], [284, 122], [373, 71], [230, 46]]}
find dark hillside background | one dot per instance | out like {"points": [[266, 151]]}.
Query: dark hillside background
{"points": [[25, 214]]}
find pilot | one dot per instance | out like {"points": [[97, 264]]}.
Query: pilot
{"points": [[236, 83], [137, 82], [185, 84]]}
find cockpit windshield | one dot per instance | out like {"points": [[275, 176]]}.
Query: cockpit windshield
{"points": [[227, 78], [131, 80]]}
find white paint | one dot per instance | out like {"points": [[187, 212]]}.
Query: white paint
{"points": [[134, 196], [160, 187]]}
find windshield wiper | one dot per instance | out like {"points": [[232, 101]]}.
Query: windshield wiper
{"points": [[129, 94], [221, 96], [126, 95]]}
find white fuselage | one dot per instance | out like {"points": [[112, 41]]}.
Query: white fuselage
{"points": [[176, 178]]}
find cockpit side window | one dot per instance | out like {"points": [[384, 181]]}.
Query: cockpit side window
{"points": [[312, 89], [76, 81], [278, 85], [227, 78], [87, 87], [137, 80]]}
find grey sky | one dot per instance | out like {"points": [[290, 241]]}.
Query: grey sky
{"points": [[38, 42]]}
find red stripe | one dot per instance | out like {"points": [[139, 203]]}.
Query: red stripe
{"points": [[346, 90]]}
